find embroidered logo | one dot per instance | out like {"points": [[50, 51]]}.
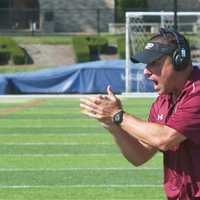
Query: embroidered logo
{"points": [[160, 117], [149, 45]]}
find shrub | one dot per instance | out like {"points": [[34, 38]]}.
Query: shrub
{"points": [[121, 47], [4, 56], [81, 49], [88, 48], [18, 56], [128, 5], [7, 42], [9, 50], [97, 43]]}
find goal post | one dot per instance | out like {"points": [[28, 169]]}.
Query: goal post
{"points": [[140, 26]]}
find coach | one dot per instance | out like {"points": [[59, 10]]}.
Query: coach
{"points": [[173, 126]]}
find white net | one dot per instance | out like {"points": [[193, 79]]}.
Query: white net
{"points": [[140, 26]]}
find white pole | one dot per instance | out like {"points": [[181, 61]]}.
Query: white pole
{"points": [[162, 20], [127, 67]]}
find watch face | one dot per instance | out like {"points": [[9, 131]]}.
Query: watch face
{"points": [[118, 117]]}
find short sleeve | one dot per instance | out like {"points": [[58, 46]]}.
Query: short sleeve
{"points": [[186, 119], [152, 113]]}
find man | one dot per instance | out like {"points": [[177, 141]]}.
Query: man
{"points": [[173, 126]]}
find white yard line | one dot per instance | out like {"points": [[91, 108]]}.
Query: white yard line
{"points": [[50, 134], [51, 126], [63, 155], [60, 155], [76, 96], [81, 169], [53, 143], [80, 186]]}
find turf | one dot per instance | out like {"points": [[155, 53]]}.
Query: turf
{"points": [[49, 150]]}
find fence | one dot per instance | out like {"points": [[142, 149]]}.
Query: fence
{"points": [[141, 25], [56, 20]]}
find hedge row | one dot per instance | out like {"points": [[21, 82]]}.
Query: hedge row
{"points": [[19, 57], [138, 43], [81, 48], [9, 52], [88, 47], [121, 47]]}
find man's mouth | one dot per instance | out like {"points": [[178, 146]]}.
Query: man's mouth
{"points": [[155, 85], [154, 81]]}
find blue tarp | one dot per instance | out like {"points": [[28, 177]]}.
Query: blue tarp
{"points": [[84, 78]]}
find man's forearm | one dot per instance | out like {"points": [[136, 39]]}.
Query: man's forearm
{"points": [[150, 133], [134, 150]]}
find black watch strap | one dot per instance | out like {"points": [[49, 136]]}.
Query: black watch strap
{"points": [[118, 117]]}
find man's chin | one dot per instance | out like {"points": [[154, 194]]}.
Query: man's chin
{"points": [[159, 91]]}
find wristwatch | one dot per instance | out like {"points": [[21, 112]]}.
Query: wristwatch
{"points": [[118, 117]]}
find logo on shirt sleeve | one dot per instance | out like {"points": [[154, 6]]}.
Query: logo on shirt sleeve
{"points": [[160, 117]]}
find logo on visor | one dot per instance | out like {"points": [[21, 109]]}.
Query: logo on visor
{"points": [[149, 45]]}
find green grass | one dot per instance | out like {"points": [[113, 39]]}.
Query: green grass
{"points": [[55, 40], [51, 40], [52, 151], [22, 68]]}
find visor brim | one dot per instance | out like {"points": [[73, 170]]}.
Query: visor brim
{"points": [[146, 57]]}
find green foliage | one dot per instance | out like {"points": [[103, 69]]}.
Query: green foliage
{"points": [[22, 68], [125, 4], [7, 42], [10, 51], [4, 56], [121, 47], [128, 5], [81, 49], [97, 43], [51, 40], [87, 48], [19, 57], [193, 39]]}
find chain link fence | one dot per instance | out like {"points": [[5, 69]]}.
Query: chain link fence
{"points": [[56, 20]]}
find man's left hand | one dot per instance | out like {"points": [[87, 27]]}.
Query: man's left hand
{"points": [[101, 107]]}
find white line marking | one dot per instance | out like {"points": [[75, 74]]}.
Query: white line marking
{"points": [[78, 186], [64, 155], [76, 96], [60, 155], [81, 169], [52, 134], [51, 126], [54, 143]]}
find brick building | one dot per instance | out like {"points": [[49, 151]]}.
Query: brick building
{"points": [[167, 5], [57, 15], [71, 16]]}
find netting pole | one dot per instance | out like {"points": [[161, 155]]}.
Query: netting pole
{"points": [[175, 15], [127, 66]]}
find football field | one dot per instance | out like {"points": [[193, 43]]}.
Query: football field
{"points": [[50, 151]]}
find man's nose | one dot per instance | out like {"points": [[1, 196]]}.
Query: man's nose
{"points": [[147, 72]]}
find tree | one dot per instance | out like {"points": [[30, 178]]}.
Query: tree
{"points": [[121, 6]]}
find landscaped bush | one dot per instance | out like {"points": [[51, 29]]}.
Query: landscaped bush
{"points": [[88, 48], [121, 47], [10, 52], [18, 56], [81, 49], [7, 42], [4, 56], [97, 44]]}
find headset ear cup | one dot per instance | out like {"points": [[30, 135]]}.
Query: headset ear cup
{"points": [[177, 60]]}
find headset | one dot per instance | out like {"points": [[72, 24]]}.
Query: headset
{"points": [[180, 55]]}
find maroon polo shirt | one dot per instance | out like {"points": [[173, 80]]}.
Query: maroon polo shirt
{"points": [[182, 162]]}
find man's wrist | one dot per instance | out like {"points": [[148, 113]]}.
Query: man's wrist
{"points": [[118, 117], [108, 126]]}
